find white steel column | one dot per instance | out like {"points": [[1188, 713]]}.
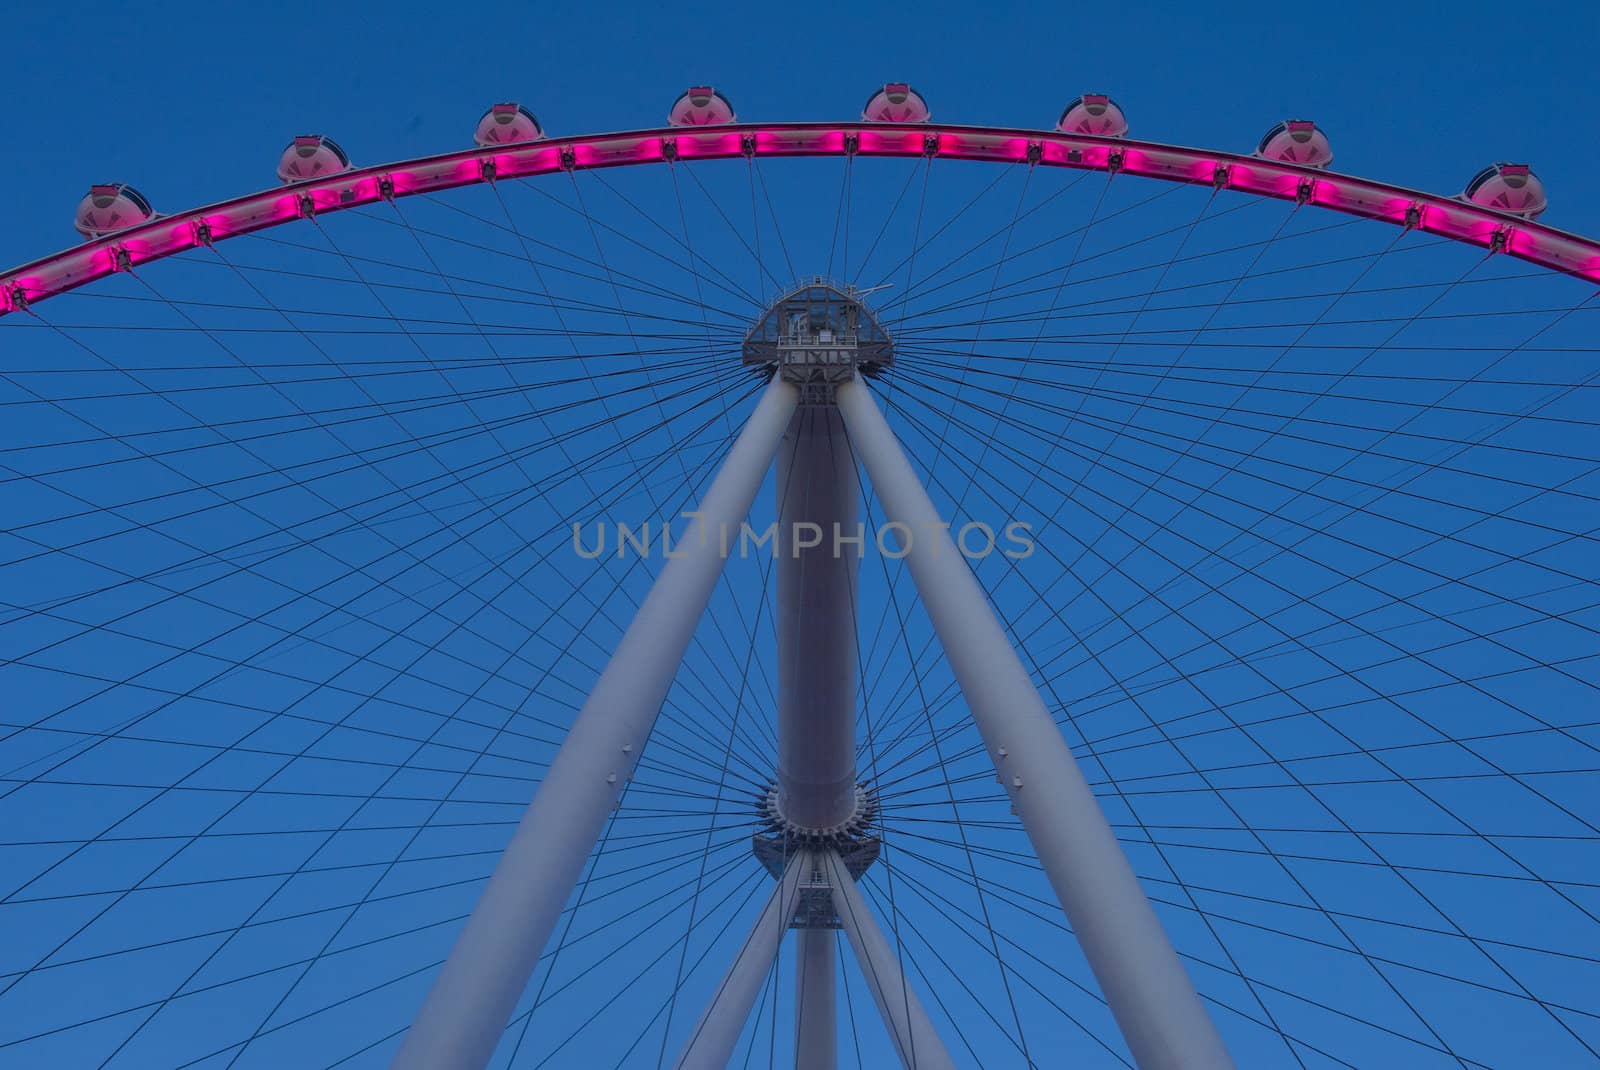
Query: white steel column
{"points": [[474, 994], [1154, 1002], [818, 494], [819, 502], [914, 1036], [816, 1045], [711, 1044]]}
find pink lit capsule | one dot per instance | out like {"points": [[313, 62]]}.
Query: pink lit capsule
{"points": [[1297, 141], [507, 124], [1093, 113], [701, 106], [896, 103], [110, 207], [311, 156], [1512, 188]]}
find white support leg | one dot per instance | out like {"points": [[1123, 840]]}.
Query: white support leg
{"points": [[711, 1044], [474, 994], [816, 1046], [1154, 1002], [914, 1036]]}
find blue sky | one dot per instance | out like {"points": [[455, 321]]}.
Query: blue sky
{"points": [[192, 103]]}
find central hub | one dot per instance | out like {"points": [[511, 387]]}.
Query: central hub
{"points": [[818, 335], [781, 839]]}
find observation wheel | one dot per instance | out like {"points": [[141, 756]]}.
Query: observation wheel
{"points": [[808, 594]]}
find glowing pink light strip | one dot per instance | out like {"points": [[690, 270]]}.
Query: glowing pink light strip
{"points": [[1445, 216]]}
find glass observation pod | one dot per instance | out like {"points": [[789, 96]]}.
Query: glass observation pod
{"points": [[1512, 188], [896, 102], [1093, 113], [110, 207], [507, 124], [311, 156], [701, 105], [1296, 141]]}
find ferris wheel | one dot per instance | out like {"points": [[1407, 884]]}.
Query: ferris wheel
{"points": [[812, 594]]}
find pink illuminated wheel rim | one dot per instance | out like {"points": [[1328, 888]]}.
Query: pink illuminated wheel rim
{"points": [[296, 617], [1431, 213]]}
